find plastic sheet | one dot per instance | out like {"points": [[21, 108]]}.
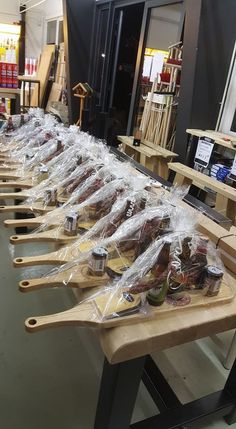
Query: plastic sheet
{"points": [[174, 269]]}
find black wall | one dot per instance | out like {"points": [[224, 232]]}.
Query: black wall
{"points": [[206, 58], [78, 24]]}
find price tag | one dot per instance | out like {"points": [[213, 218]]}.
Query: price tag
{"points": [[232, 175], [204, 151]]}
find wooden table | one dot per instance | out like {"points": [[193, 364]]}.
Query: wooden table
{"points": [[223, 140], [151, 156], [225, 194], [127, 362], [14, 95]]}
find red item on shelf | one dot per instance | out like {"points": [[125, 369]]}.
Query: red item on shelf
{"points": [[165, 77], [174, 61], [9, 75]]}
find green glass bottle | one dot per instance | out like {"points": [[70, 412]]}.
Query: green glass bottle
{"points": [[156, 296]]}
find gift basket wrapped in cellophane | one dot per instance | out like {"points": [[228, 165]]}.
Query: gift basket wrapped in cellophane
{"points": [[179, 269]]}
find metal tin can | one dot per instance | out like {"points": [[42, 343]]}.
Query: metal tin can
{"points": [[70, 224], [212, 280], [51, 197], [98, 261]]}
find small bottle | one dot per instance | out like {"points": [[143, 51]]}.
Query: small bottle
{"points": [[163, 258], [22, 119], [10, 126], [98, 261], [164, 226], [50, 197], [186, 249], [143, 203], [212, 280], [59, 145], [200, 256], [71, 224], [156, 296]]}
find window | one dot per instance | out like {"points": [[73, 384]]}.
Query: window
{"points": [[55, 33], [227, 117]]}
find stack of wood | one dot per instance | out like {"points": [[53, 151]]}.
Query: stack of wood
{"points": [[59, 84], [158, 123]]}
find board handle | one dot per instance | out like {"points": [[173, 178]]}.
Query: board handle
{"points": [[40, 237], [15, 223], [13, 196], [81, 315], [7, 168], [16, 184], [41, 283], [21, 208], [9, 176], [52, 258]]}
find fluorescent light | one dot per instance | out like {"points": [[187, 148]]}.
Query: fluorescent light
{"points": [[10, 29]]}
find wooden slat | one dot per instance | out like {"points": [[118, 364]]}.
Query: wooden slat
{"points": [[55, 94], [217, 137], [204, 180], [43, 73]]}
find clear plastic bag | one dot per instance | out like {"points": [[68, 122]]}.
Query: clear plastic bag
{"points": [[175, 271]]}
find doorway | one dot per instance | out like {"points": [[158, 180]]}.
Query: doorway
{"points": [[124, 49]]}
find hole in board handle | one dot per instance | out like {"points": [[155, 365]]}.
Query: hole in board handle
{"points": [[32, 322]]}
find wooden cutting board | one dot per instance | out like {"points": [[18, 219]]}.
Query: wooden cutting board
{"points": [[88, 313], [59, 257], [81, 279]]}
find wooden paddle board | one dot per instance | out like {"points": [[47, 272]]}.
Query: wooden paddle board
{"points": [[99, 311]]}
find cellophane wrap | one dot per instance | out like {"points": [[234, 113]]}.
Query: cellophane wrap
{"points": [[173, 267], [124, 245]]}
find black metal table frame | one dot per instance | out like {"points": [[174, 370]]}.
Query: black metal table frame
{"points": [[119, 388]]}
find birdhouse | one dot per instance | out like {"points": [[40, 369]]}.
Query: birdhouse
{"points": [[82, 90]]}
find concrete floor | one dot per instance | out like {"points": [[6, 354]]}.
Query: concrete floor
{"points": [[51, 379]]}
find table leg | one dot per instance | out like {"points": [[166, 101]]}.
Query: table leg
{"points": [[13, 107], [181, 180], [29, 94], [231, 355], [118, 391], [39, 94], [23, 94], [230, 387]]}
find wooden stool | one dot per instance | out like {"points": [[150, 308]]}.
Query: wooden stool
{"points": [[151, 156]]}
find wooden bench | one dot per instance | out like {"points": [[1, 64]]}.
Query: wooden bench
{"points": [[151, 156], [221, 139], [225, 195]]}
